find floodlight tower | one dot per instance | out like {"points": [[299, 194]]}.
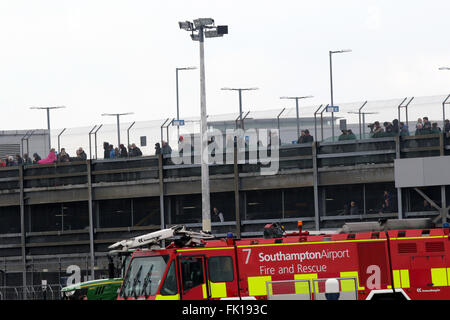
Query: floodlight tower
{"points": [[48, 120], [297, 113], [200, 29], [240, 100], [331, 86], [117, 115]]}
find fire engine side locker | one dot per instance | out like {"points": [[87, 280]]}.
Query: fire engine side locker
{"points": [[362, 255], [421, 263]]}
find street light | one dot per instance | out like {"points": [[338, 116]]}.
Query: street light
{"points": [[48, 120], [331, 86], [178, 108], [444, 68], [200, 29], [296, 105], [117, 115], [240, 100]]}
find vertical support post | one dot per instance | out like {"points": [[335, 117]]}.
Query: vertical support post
{"points": [[90, 145], [399, 190], [364, 200], [91, 220], [297, 117], [118, 130], [236, 193], [332, 102], [95, 140], [161, 192], [444, 208], [48, 126], [359, 115], [316, 186], [240, 108], [206, 210], [22, 231]]}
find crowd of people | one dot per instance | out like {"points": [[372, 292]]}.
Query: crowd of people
{"points": [[120, 152], [395, 128], [63, 156], [52, 157]]}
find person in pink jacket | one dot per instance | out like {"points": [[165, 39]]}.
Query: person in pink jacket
{"points": [[51, 158]]}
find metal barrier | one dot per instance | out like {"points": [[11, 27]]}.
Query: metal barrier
{"points": [[52, 292]]}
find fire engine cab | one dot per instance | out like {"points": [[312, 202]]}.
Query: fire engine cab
{"points": [[407, 259]]}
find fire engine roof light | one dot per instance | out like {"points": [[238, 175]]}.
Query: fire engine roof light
{"points": [[446, 225], [299, 223], [229, 235]]}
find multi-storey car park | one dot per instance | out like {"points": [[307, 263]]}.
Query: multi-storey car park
{"points": [[61, 218]]}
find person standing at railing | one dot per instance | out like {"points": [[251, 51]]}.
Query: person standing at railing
{"points": [[106, 153], [435, 129], [343, 136], [403, 129], [51, 158], [81, 155], [36, 158], [308, 138], [350, 135], [26, 159], [123, 151], [446, 126], [63, 156]]}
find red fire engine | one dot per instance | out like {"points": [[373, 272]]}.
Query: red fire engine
{"points": [[406, 259]]}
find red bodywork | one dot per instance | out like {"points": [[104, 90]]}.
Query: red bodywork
{"points": [[413, 262]]}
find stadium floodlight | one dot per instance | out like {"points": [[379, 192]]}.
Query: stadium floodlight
{"points": [[240, 100], [198, 33], [212, 34], [185, 25], [297, 112], [202, 22], [48, 120], [331, 86], [117, 115]]}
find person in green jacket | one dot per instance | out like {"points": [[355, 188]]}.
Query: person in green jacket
{"points": [[343, 136], [350, 135]]}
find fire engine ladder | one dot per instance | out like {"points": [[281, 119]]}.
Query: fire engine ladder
{"points": [[154, 238]]}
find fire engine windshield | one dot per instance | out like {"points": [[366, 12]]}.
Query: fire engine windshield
{"points": [[144, 276]]}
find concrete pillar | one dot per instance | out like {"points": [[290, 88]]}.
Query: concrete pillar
{"points": [[91, 220], [23, 231], [316, 187]]}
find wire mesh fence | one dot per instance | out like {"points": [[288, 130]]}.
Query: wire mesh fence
{"points": [[357, 115]]}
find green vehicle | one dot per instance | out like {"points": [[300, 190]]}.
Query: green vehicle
{"points": [[100, 289]]}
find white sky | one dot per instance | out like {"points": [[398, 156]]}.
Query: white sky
{"points": [[112, 56]]}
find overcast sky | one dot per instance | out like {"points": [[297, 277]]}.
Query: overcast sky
{"points": [[113, 56]]}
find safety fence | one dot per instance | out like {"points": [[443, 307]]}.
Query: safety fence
{"points": [[48, 292]]}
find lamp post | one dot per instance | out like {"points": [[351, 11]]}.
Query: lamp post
{"points": [[48, 120], [297, 113], [117, 115], [200, 29], [331, 86], [240, 100], [178, 104]]}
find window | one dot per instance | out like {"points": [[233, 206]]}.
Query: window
{"points": [[144, 276], [220, 269], [192, 273], [169, 286]]}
